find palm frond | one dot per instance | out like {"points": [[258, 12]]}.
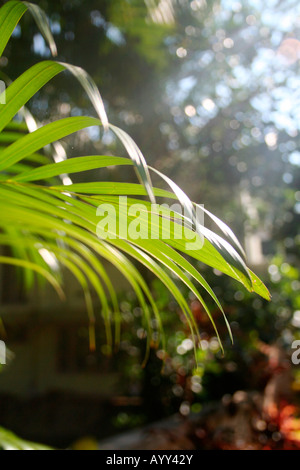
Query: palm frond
{"points": [[9, 441], [40, 215]]}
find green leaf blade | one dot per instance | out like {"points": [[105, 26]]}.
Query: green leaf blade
{"points": [[37, 140], [10, 15]]}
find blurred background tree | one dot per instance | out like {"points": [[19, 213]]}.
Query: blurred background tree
{"points": [[210, 91]]}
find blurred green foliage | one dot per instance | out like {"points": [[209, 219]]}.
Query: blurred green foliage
{"points": [[213, 99]]}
